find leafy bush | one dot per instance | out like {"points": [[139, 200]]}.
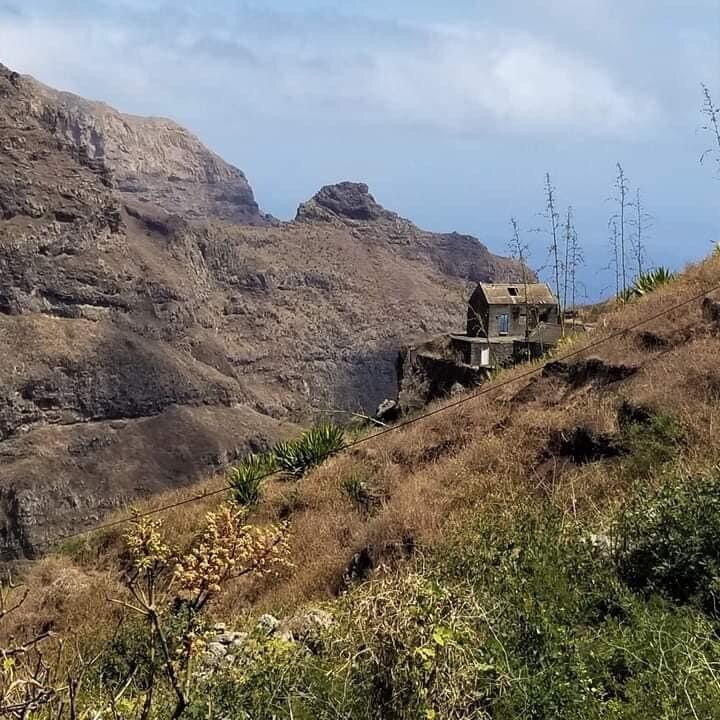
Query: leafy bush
{"points": [[296, 457], [648, 282], [523, 621], [522, 615], [357, 488], [670, 544], [246, 478], [652, 443], [577, 643], [265, 682]]}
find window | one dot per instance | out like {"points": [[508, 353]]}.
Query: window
{"points": [[502, 322], [513, 292]]}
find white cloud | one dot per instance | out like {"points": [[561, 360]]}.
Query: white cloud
{"points": [[468, 82], [447, 78]]}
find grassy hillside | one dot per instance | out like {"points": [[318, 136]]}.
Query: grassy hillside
{"points": [[548, 549]]}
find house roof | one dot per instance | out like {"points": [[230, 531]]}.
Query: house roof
{"points": [[514, 294]]}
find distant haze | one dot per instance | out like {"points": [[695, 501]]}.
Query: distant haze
{"points": [[450, 112]]}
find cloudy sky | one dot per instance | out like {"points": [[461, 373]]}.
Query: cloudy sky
{"points": [[452, 112]]}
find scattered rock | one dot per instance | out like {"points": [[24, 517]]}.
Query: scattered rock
{"points": [[711, 311], [388, 411], [306, 628], [601, 542], [268, 624], [652, 342]]}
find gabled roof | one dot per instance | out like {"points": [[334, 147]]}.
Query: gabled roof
{"points": [[514, 294]]}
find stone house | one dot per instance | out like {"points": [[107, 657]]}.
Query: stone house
{"points": [[510, 310], [506, 323], [502, 314]]}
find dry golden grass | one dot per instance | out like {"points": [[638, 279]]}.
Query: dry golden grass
{"points": [[489, 455]]}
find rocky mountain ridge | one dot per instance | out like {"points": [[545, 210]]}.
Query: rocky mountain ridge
{"points": [[148, 338], [153, 160]]}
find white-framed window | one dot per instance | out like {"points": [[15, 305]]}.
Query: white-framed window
{"points": [[503, 324]]}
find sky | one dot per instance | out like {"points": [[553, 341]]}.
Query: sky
{"points": [[452, 112]]}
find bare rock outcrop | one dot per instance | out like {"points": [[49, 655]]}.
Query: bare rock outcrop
{"points": [[348, 200], [153, 160]]}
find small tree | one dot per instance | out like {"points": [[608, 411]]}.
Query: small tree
{"points": [[575, 259], [553, 219], [568, 240], [712, 127], [520, 250], [619, 220], [615, 254], [641, 223], [161, 577]]}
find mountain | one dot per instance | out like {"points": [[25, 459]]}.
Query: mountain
{"points": [[152, 159], [155, 324]]}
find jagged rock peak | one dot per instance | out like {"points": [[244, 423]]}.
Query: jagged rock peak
{"points": [[345, 200]]}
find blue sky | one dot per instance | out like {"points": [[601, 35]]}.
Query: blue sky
{"points": [[452, 112]]}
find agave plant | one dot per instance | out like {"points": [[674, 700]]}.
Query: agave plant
{"points": [[315, 445], [652, 280], [646, 283], [246, 479]]}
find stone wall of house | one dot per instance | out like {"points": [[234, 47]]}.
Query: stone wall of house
{"points": [[501, 353]]}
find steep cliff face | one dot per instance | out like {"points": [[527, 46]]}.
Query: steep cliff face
{"points": [[152, 159], [140, 350]]}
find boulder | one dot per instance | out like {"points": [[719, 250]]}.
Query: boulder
{"points": [[388, 411]]}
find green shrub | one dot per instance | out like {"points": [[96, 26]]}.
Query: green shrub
{"points": [[296, 457], [670, 544], [521, 616], [357, 488], [246, 478], [651, 444], [578, 643], [412, 647], [265, 682]]}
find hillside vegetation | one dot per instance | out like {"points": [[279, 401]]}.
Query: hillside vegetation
{"points": [[548, 549]]}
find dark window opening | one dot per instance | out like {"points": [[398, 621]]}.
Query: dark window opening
{"points": [[513, 292]]}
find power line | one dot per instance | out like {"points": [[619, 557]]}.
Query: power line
{"points": [[411, 421]]}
